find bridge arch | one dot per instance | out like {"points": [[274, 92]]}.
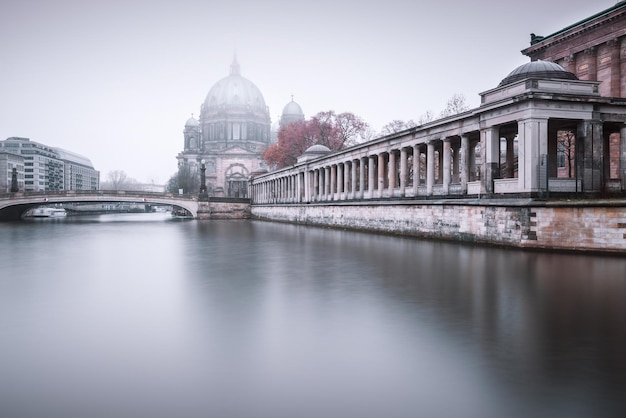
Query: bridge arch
{"points": [[13, 206]]}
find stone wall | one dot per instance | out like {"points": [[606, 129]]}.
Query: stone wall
{"points": [[575, 228], [224, 208]]}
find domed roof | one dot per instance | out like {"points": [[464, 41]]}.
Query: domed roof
{"points": [[292, 109], [537, 69], [317, 149], [235, 90], [191, 122], [313, 152]]}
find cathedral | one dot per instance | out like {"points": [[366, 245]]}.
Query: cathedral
{"points": [[233, 131]]}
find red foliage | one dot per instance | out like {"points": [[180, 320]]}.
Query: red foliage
{"points": [[326, 128]]}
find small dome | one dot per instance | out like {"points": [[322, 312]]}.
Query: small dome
{"points": [[292, 109], [313, 152], [317, 149], [191, 122], [537, 69]]}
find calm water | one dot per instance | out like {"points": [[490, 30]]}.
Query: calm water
{"points": [[137, 316]]}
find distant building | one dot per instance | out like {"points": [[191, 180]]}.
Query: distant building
{"points": [[233, 131], [47, 168], [9, 161], [593, 49]]}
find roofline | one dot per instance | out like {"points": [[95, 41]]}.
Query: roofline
{"points": [[545, 40]]}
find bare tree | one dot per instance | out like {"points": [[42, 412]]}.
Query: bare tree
{"points": [[425, 117], [186, 179], [456, 104], [397, 125], [118, 180], [565, 143]]}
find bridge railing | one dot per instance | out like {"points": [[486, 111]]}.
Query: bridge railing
{"points": [[125, 193]]}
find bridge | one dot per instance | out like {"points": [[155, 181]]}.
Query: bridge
{"points": [[13, 205]]}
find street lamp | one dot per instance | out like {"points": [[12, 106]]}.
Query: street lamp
{"points": [[203, 193]]}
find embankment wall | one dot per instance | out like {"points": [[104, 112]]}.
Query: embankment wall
{"points": [[573, 226]]}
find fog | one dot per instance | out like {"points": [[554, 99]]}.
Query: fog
{"points": [[115, 81]]}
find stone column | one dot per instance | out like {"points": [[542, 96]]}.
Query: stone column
{"points": [[622, 157], [430, 167], [353, 179], [346, 179], [455, 162], [327, 183], [339, 186], [416, 169], [491, 140], [510, 157], [371, 176], [333, 181], [446, 165], [391, 174], [381, 174], [464, 166], [403, 171], [590, 139], [362, 167]]}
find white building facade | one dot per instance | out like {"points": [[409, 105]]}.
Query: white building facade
{"points": [[47, 168]]}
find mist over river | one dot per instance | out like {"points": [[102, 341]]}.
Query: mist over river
{"points": [[137, 315]]}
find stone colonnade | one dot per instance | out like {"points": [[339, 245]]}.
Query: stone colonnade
{"points": [[509, 145]]}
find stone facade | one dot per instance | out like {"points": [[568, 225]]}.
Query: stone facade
{"points": [[538, 225], [224, 208]]}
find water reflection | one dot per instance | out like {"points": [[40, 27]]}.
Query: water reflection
{"points": [[122, 317]]}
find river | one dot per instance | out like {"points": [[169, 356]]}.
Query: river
{"points": [[140, 316]]}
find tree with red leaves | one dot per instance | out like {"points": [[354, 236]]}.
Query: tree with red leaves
{"points": [[326, 128]]}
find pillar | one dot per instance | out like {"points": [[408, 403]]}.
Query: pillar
{"points": [[381, 174], [447, 157], [326, 183], [339, 180], [430, 167], [591, 140], [464, 163], [416, 168], [622, 157], [371, 176], [403, 171], [491, 153], [346, 179], [510, 157], [353, 178], [391, 173], [362, 166]]}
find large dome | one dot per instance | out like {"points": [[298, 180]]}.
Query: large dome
{"points": [[537, 69], [235, 91]]}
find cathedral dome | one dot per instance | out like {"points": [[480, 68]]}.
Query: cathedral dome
{"points": [[235, 91], [292, 109], [537, 69], [191, 123], [292, 112]]}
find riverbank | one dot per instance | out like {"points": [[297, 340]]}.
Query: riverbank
{"points": [[597, 225]]}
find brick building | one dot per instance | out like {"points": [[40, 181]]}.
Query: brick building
{"points": [[593, 49]]}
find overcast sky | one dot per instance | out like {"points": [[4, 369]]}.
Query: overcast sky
{"points": [[116, 80]]}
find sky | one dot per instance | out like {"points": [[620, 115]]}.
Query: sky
{"points": [[116, 80]]}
